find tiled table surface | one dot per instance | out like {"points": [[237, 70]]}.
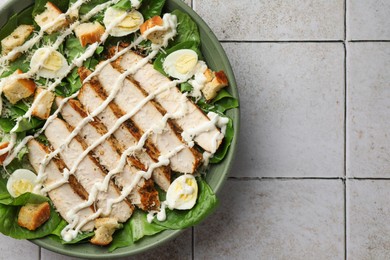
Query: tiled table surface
{"points": [[312, 175]]}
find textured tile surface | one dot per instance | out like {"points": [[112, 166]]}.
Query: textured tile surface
{"points": [[368, 125], [369, 20], [368, 219], [292, 108], [17, 249], [178, 248], [294, 219], [274, 19]]}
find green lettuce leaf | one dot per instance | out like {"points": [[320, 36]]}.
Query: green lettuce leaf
{"points": [[225, 101], [123, 5], [140, 227], [81, 237], [9, 210], [187, 30], [122, 237], [17, 110], [150, 8], [24, 17], [205, 205], [224, 148]]}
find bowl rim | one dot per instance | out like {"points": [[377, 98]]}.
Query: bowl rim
{"points": [[9, 9]]}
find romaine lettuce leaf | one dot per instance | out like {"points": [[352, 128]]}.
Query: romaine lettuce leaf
{"points": [[180, 219], [23, 17], [150, 8], [138, 226], [9, 210], [187, 30], [123, 5], [122, 237], [224, 148], [81, 237], [15, 111]]}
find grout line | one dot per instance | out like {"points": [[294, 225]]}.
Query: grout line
{"points": [[369, 179], [345, 127], [357, 41], [40, 253], [309, 178], [283, 41], [283, 178], [305, 41], [345, 221]]}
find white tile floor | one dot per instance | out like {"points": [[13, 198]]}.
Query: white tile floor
{"points": [[314, 79]]}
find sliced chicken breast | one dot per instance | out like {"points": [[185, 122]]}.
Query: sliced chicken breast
{"points": [[88, 172], [148, 117], [91, 98], [172, 100], [65, 197], [144, 196]]}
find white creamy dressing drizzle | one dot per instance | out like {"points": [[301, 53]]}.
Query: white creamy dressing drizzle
{"points": [[199, 80], [74, 227], [29, 44], [135, 3], [215, 120]]}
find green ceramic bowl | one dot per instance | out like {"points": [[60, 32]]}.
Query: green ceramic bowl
{"points": [[217, 60]]}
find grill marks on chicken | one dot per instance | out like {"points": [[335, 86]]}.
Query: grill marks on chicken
{"points": [[163, 139], [150, 80], [144, 196], [68, 194]]}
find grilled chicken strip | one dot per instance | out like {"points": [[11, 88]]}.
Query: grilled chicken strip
{"points": [[144, 196], [88, 171], [91, 97], [166, 139], [66, 196], [171, 100]]}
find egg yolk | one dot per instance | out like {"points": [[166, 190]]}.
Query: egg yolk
{"points": [[53, 62], [22, 186], [131, 21], [185, 63]]}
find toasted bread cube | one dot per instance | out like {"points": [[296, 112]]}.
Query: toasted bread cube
{"points": [[89, 33], [32, 216], [48, 16], [16, 90], [105, 228], [211, 89], [209, 75], [156, 36], [42, 110], [3, 156], [16, 39]]}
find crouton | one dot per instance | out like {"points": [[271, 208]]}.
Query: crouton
{"points": [[89, 33], [217, 82], [42, 109], [156, 36], [16, 39], [48, 16], [105, 228], [3, 156], [15, 90], [32, 216]]}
